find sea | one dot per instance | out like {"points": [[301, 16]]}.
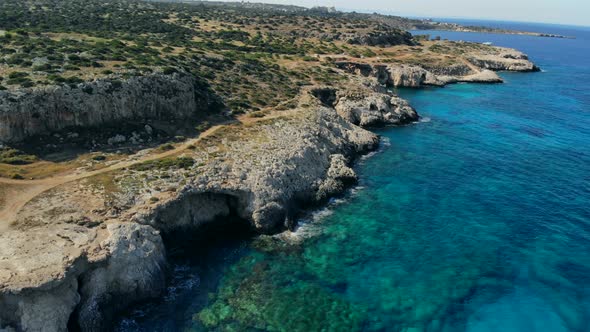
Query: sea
{"points": [[476, 218]]}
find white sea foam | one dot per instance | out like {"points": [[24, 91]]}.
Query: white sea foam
{"points": [[384, 143], [307, 227], [425, 120], [311, 225], [367, 156]]}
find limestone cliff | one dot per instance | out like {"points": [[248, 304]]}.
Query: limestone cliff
{"points": [[45, 110], [477, 67], [506, 59], [375, 109]]}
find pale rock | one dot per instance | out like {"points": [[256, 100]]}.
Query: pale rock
{"points": [[117, 139]]}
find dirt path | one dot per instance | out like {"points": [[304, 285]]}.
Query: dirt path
{"points": [[17, 193]]}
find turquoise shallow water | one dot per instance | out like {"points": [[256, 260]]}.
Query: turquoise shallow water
{"points": [[476, 219]]}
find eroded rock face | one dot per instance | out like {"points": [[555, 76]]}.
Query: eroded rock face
{"points": [[457, 70], [195, 208], [476, 67], [498, 63], [507, 59], [90, 279], [45, 110], [375, 109], [134, 271], [410, 76], [339, 176], [40, 310]]}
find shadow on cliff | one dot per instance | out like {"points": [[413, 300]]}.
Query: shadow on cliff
{"points": [[126, 137], [197, 260], [61, 123]]}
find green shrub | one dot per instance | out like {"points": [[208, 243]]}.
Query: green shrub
{"points": [[166, 147], [27, 84], [17, 74], [43, 67], [21, 81], [310, 58], [15, 157], [56, 78], [203, 126], [165, 163], [169, 70]]}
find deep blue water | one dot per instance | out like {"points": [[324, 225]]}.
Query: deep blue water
{"points": [[475, 219]]}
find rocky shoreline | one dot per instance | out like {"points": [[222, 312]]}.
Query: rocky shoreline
{"points": [[477, 68], [85, 249]]}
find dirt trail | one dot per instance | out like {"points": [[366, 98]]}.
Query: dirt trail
{"points": [[18, 193]]}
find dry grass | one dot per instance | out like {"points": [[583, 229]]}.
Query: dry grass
{"points": [[4, 190], [105, 183], [37, 170], [45, 169]]}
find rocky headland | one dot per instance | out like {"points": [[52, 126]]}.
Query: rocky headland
{"points": [[83, 246], [473, 67]]}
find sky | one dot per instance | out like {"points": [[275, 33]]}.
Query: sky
{"points": [[569, 12]]}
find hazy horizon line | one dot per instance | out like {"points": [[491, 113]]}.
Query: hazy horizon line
{"points": [[440, 18], [408, 14]]}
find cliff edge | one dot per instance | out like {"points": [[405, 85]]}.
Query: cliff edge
{"points": [[86, 245]]}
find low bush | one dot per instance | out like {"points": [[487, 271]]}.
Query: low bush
{"points": [[165, 163], [15, 157]]}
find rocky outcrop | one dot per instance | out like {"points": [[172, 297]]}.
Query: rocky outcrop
{"points": [[48, 287], [476, 67], [457, 69], [44, 110], [410, 76], [105, 250], [339, 175], [133, 271], [375, 109], [506, 59]]}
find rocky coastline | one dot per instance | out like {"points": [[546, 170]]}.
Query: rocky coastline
{"points": [[477, 68], [86, 248]]}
